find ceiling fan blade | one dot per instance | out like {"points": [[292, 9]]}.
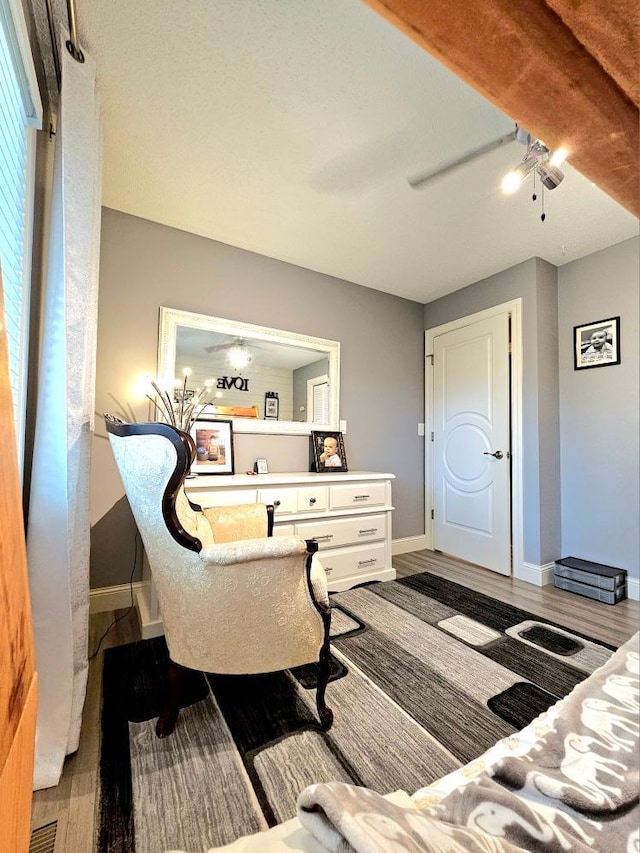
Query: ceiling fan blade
{"points": [[420, 181], [238, 343], [218, 347]]}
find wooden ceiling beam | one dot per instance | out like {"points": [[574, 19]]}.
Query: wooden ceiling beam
{"points": [[522, 57], [609, 31]]}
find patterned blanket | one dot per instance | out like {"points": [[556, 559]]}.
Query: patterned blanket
{"points": [[574, 788]]}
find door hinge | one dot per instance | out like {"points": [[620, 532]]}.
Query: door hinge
{"points": [[431, 436], [432, 513]]}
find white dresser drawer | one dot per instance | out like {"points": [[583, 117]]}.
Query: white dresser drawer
{"points": [[353, 562], [346, 531], [313, 499], [285, 501], [348, 515], [223, 498], [358, 495]]}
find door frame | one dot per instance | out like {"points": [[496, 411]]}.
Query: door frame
{"points": [[514, 309]]}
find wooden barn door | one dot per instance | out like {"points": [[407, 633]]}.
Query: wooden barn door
{"points": [[18, 683]]}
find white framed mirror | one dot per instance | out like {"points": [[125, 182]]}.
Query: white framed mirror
{"points": [[289, 383]]}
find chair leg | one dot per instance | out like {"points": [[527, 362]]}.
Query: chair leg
{"points": [[324, 671], [169, 714]]}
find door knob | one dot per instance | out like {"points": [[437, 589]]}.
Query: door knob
{"points": [[498, 454]]}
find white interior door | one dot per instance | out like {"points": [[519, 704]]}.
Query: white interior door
{"points": [[471, 468]]}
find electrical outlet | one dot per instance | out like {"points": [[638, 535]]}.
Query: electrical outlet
{"points": [[420, 429]]}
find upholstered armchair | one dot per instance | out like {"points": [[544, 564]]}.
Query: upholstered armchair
{"points": [[254, 605]]}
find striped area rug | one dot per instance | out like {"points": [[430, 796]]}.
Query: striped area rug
{"points": [[427, 674]]}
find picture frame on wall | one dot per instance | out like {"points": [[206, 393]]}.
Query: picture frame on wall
{"points": [[596, 344], [214, 446], [271, 406], [328, 453]]}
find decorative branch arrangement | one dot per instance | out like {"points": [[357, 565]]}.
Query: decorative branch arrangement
{"points": [[182, 412]]}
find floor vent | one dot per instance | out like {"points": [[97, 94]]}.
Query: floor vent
{"points": [[43, 840]]}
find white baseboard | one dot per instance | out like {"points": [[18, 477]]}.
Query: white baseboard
{"points": [[537, 575], [150, 622], [408, 544], [633, 589], [113, 597]]}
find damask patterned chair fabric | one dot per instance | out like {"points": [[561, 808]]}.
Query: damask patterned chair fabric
{"points": [[236, 607]]}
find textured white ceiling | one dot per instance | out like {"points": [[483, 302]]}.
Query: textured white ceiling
{"points": [[290, 128]]}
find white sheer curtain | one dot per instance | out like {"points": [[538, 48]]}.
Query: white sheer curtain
{"points": [[58, 532]]}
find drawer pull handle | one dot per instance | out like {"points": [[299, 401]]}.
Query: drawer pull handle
{"points": [[276, 503], [312, 501], [370, 530], [323, 538], [328, 569], [361, 497], [366, 562]]}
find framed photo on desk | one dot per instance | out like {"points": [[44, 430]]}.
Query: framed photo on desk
{"points": [[214, 446], [328, 453]]}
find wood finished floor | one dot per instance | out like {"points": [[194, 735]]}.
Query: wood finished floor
{"points": [[609, 623], [73, 802]]}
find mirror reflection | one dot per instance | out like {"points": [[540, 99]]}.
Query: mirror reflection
{"points": [[268, 380]]}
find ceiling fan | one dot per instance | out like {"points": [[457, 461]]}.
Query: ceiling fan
{"points": [[239, 342], [238, 351], [538, 160]]}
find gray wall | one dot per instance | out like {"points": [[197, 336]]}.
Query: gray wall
{"points": [[535, 282], [144, 265], [599, 423], [300, 378]]}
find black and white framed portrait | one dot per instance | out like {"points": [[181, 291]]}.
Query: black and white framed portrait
{"points": [[596, 344], [271, 405]]}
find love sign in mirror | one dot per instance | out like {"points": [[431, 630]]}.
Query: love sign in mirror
{"points": [[267, 380]]}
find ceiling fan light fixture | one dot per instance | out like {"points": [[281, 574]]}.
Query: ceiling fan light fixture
{"points": [[239, 356], [550, 175], [539, 160], [513, 179], [511, 182], [559, 156]]}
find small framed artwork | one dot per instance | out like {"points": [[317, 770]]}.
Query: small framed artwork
{"points": [[261, 466], [271, 406], [214, 446], [328, 452], [596, 344]]}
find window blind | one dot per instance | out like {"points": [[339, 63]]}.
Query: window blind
{"points": [[321, 403], [20, 113]]}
